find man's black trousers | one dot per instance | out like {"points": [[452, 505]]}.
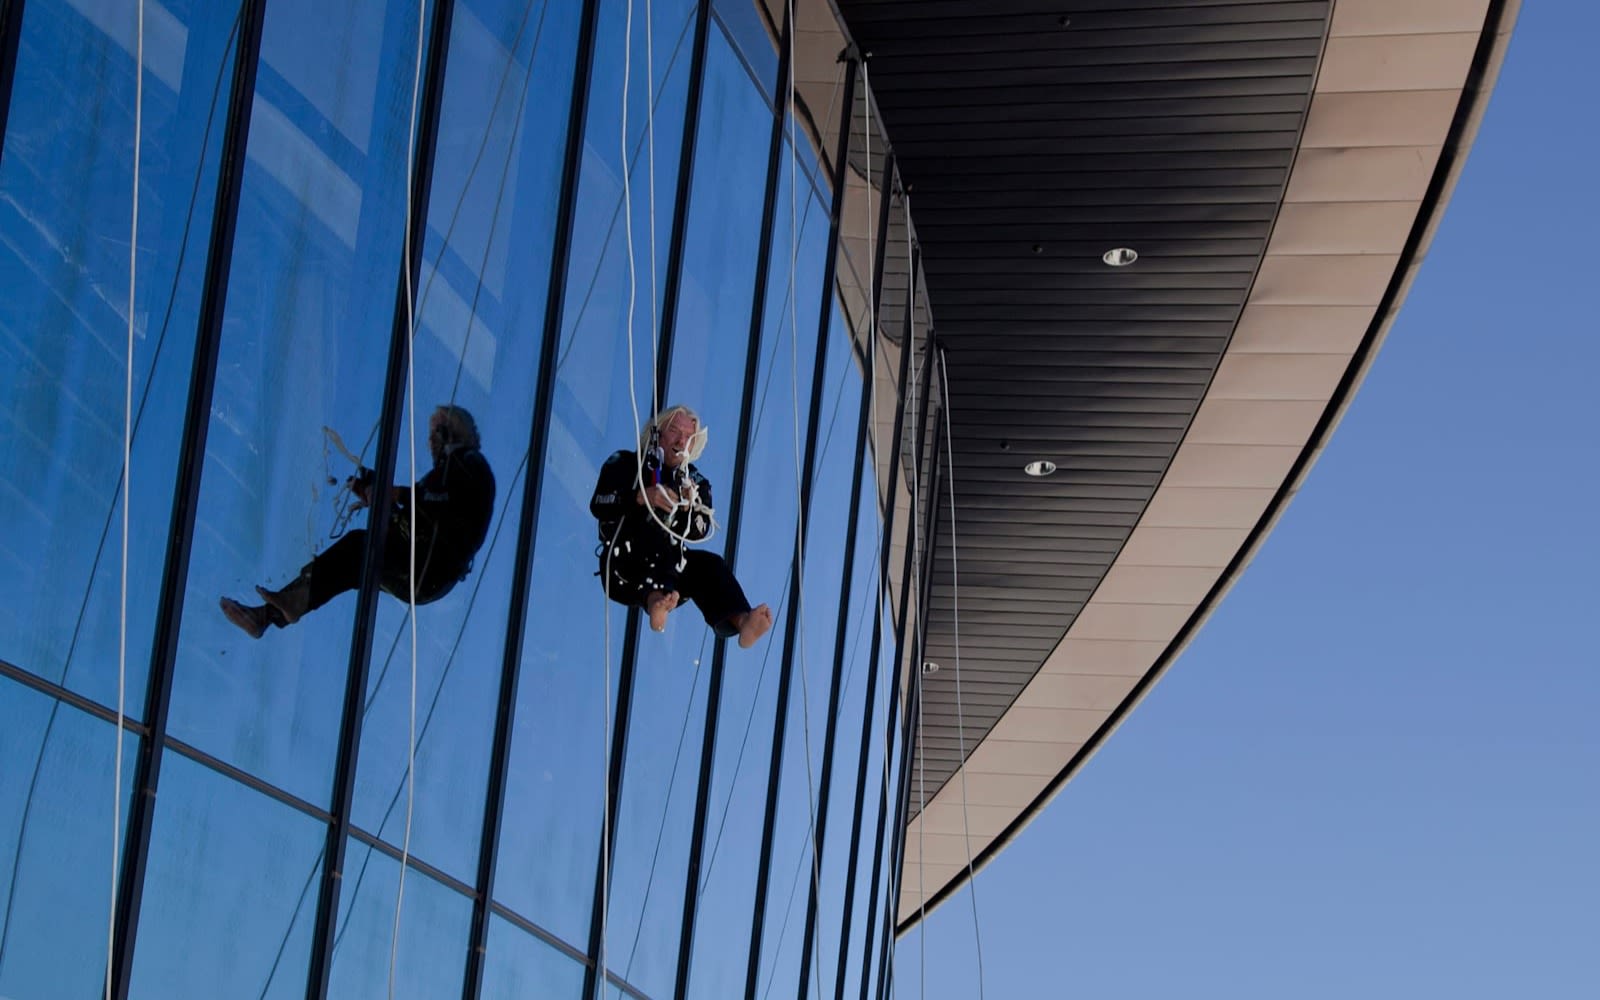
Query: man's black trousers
{"points": [[338, 569], [704, 579]]}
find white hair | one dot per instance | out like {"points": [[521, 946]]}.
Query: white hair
{"points": [[697, 440]]}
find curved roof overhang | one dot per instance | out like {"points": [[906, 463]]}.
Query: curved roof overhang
{"points": [[1281, 167]]}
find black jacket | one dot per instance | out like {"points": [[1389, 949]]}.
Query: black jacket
{"points": [[455, 502], [615, 503]]}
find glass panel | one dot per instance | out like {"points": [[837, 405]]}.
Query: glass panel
{"points": [[429, 957], [876, 703], [882, 920], [853, 699], [480, 323], [67, 178], [236, 870], [757, 40], [655, 819], [304, 346], [519, 965], [55, 826], [794, 870], [655, 815], [556, 785], [764, 564]]}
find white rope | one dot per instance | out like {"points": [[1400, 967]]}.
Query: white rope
{"points": [[605, 763], [955, 617], [633, 403], [411, 508], [917, 543], [692, 503], [127, 500], [650, 191]]}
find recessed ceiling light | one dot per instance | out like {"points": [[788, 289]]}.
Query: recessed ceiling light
{"points": [[1043, 467], [1120, 257]]}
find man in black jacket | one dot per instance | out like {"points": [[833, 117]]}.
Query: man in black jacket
{"points": [[453, 505], [650, 503]]}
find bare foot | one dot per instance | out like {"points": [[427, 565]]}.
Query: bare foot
{"points": [[659, 604], [753, 624]]}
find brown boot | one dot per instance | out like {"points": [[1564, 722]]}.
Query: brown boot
{"points": [[292, 602], [252, 619]]}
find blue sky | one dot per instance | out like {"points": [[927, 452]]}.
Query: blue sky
{"points": [[1376, 772]]}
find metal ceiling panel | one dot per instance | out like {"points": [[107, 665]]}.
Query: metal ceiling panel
{"points": [[1031, 139]]}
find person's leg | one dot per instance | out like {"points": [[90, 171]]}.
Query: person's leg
{"points": [[644, 574], [253, 619], [334, 570], [707, 580], [329, 574], [624, 581]]}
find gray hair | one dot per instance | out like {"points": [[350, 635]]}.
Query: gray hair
{"points": [[665, 417], [662, 419], [459, 425]]}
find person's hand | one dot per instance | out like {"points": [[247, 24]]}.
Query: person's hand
{"points": [[659, 497], [360, 488]]}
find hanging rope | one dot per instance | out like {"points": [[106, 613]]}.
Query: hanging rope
{"points": [[411, 507], [918, 548], [955, 617], [633, 403], [127, 501]]}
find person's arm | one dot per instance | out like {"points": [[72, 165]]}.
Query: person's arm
{"points": [[614, 492], [362, 486], [698, 516]]}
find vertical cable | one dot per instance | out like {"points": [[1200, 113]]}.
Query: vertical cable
{"points": [[955, 617], [411, 445], [127, 501], [604, 901]]}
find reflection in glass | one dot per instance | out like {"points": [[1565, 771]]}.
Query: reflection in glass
{"points": [[56, 771], [66, 188], [235, 870], [304, 344], [492, 216]]}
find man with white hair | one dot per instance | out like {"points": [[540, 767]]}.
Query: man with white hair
{"points": [[452, 505], [650, 503]]}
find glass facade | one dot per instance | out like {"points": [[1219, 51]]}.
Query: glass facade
{"points": [[557, 215]]}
